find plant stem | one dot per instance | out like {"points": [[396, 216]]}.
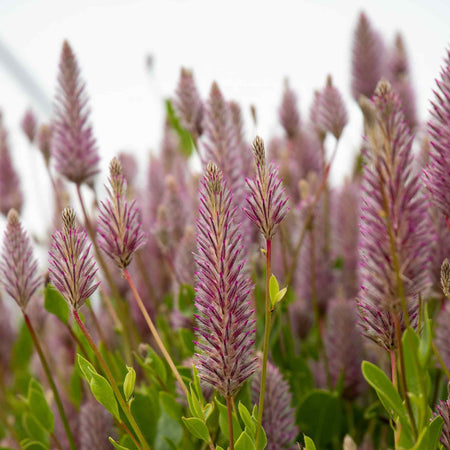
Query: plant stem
{"points": [[230, 423], [268, 317], [154, 332], [112, 382], [402, 377], [51, 382], [393, 367]]}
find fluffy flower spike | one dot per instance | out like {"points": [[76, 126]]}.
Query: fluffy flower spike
{"points": [[392, 204], [436, 176], [443, 410], [18, 267], [10, 194], [73, 147], [119, 228], [71, 266], [288, 112], [267, 202], [367, 58], [29, 125], [226, 324], [278, 415]]}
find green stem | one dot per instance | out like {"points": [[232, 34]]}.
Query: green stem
{"points": [[155, 333], [230, 423], [112, 382], [266, 340], [51, 382]]}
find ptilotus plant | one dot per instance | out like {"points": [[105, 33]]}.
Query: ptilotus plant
{"points": [[266, 208], [188, 104], [10, 192], [395, 231], [73, 144], [71, 265], [279, 416], [436, 173], [331, 113], [20, 277], [225, 319], [29, 125], [368, 58], [288, 112], [95, 426]]}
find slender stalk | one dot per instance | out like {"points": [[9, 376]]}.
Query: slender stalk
{"points": [[230, 423], [393, 367], [266, 340], [402, 377], [51, 382], [112, 382], [78, 342], [107, 273], [154, 332]]}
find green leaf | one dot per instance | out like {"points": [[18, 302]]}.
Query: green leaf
{"points": [[194, 405], [384, 389], [197, 386], [23, 348], [155, 364], [186, 298], [168, 430], [32, 445], [273, 289], [128, 384], [170, 405], [55, 304], [244, 442], [309, 443], [34, 429], [186, 141], [40, 409], [197, 427], [426, 340], [280, 295], [147, 412], [117, 445], [86, 368], [75, 391], [104, 394], [247, 418], [320, 416]]}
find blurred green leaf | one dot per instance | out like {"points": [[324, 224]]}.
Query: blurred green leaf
{"points": [[23, 348], [104, 394], [223, 422], [197, 428], [34, 429], [170, 405], [244, 442], [30, 445], [117, 445], [186, 141], [146, 411], [320, 416], [167, 429], [40, 408], [55, 304], [186, 298]]}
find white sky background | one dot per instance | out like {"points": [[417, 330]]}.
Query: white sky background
{"points": [[249, 47]]}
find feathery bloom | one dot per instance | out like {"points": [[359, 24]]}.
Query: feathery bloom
{"points": [[220, 143], [399, 76], [188, 104], [10, 193], [288, 112], [367, 58], [119, 227], [331, 114], [71, 266], [29, 125], [238, 124], [7, 334], [392, 204], [73, 143], [44, 139], [436, 177], [267, 201], [278, 418], [445, 277], [95, 426], [343, 344], [443, 410], [129, 166], [226, 324], [18, 267]]}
